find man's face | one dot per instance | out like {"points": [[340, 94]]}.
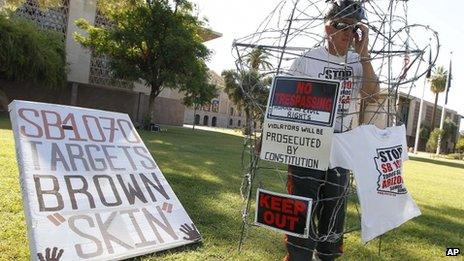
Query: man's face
{"points": [[340, 33]]}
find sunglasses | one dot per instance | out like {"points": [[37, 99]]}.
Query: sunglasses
{"points": [[344, 26]]}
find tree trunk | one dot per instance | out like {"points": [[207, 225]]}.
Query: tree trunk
{"points": [[434, 111], [151, 106], [3, 101], [247, 122], [194, 115]]}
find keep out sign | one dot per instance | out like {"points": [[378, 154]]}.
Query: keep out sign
{"points": [[284, 213]]}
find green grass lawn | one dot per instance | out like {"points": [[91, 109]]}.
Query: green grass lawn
{"points": [[204, 170]]}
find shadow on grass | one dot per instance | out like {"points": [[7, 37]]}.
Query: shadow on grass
{"points": [[204, 171], [5, 121], [438, 162], [210, 209], [435, 228], [165, 253], [210, 194]]}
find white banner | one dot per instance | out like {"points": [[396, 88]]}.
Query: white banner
{"points": [[299, 122], [91, 188]]}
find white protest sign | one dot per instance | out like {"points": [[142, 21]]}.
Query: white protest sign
{"points": [[299, 122], [91, 188]]}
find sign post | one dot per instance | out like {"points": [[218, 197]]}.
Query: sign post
{"points": [[299, 122], [90, 187]]}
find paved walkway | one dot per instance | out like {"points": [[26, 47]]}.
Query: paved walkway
{"points": [[433, 157], [236, 132]]}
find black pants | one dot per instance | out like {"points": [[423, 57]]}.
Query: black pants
{"points": [[328, 212]]}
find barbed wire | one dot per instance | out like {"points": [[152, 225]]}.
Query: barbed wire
{"points": [[399, 54]]}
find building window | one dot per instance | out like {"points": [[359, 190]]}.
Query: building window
{"points": [[240, 113], [214, 121], [231, 122], [205, 120], [239, 123], [197, 119], [231, 111], [254, 125], [55, 18], [100, 69]]}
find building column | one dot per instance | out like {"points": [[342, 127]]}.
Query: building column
{"points": [[78, 57]]}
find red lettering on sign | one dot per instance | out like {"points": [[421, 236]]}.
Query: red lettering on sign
{"points": [[280, 220], [281, 212], [386, 167], [268, 217], [264, 201], [300, 207], [392, 181], [287, 206], [292, 222], [275, 204], [304, 87], [303, 101]]}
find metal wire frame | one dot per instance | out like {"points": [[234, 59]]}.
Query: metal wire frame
{"points": [[392, 40]]}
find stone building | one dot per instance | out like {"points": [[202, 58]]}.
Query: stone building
{"points": [[221, 112], [408, 113], [90, 83]]}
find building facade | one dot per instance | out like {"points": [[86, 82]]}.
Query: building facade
{"points": [[408, 113], [90, 83], [221, 112]]}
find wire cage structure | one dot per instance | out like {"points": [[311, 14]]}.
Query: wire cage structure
{"points": [[400, 53]]}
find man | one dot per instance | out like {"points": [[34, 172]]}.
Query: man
{"points": [[343, 29]]}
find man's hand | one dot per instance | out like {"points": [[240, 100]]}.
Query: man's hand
{"points": [[361, 42]]}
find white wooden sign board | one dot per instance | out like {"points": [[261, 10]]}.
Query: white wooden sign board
{"points": [[91, 188], [299, 121]]}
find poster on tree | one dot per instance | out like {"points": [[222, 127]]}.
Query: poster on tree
{"points": [[299, 121], [91, 189]]}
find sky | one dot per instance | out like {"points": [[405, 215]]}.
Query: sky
{"points": [[235, 19]]}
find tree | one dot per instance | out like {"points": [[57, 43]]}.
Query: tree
{"points": [[460, 144], [28, 53], [248, 91], [424, 132], [258, 58], [450, 130], [201, 93], [157, 41], [12, 5], [433, 140], [437, 85]]}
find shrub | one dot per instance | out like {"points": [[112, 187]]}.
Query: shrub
{"points": [[433, 140], [458, 156], [460, 144], [28, 53]]}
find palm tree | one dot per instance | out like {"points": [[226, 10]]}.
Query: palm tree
{"points": [[437, 85], [258, 58], [248, 88], [248, 91]]}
